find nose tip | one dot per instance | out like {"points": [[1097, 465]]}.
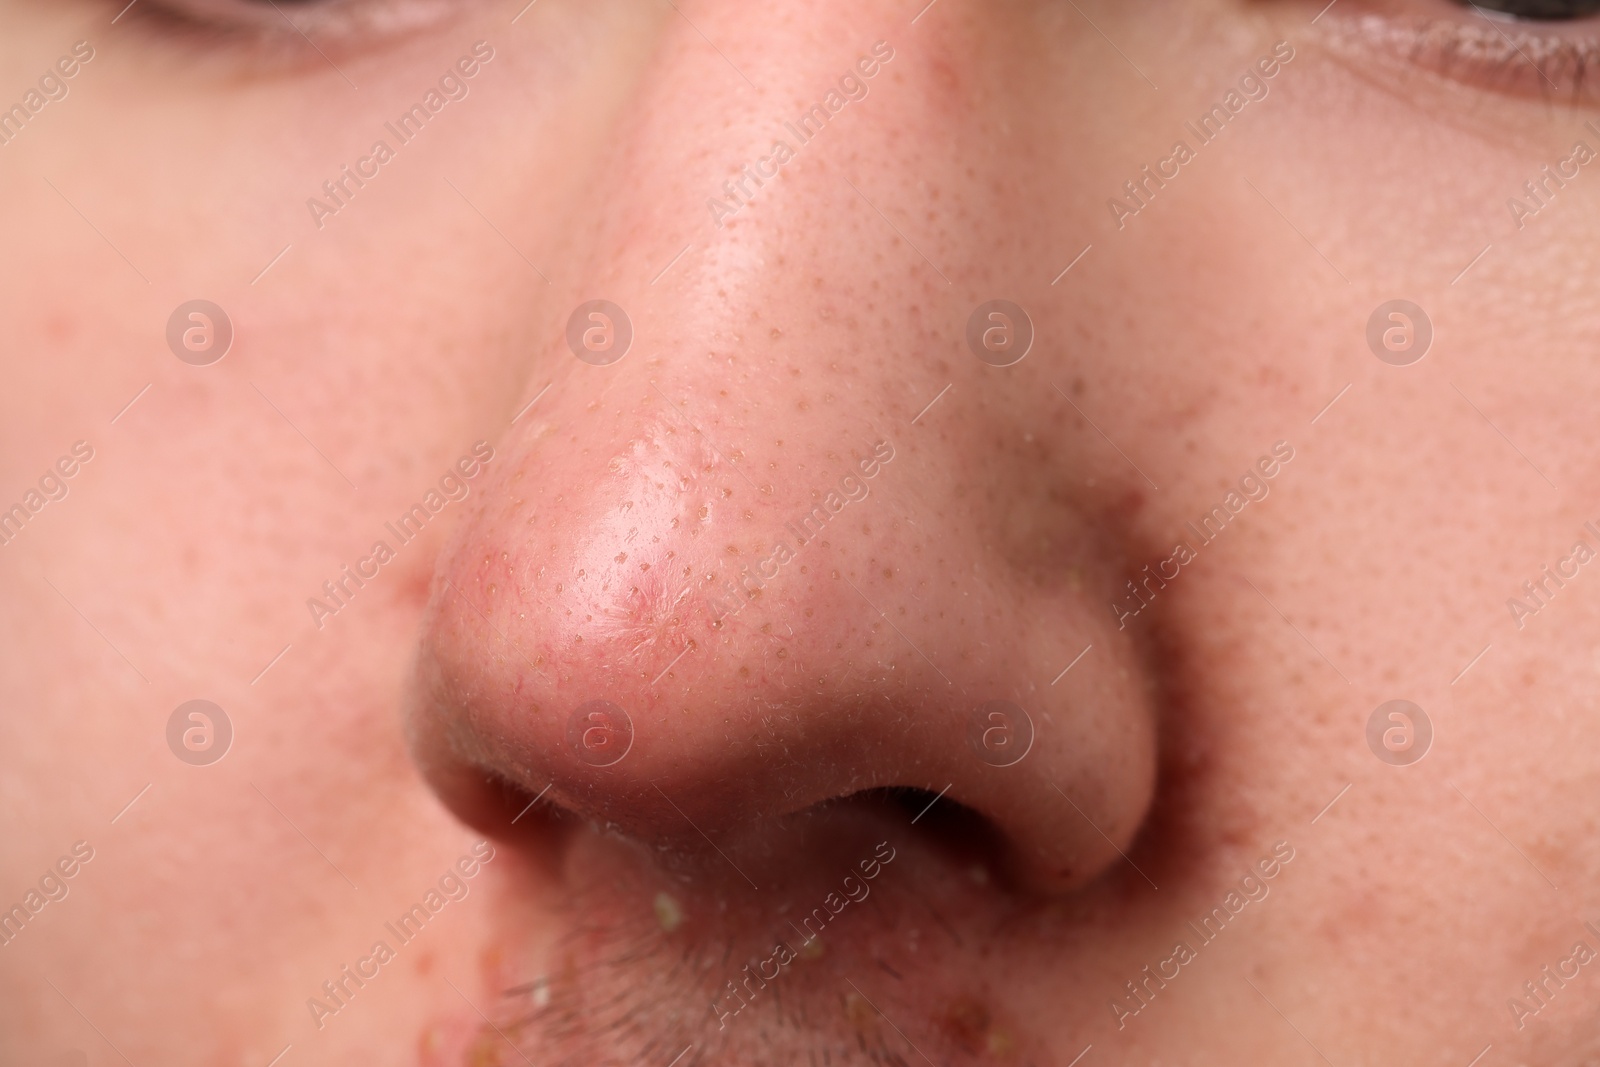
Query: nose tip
{"points": [[666, 637]]}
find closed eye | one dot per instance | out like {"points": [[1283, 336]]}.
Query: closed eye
{"points": [[284, 30], [1548, 49]]}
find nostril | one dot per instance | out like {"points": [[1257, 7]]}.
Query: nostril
{"points": [[917, 803], [962, 836]]}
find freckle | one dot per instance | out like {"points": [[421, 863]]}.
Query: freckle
{"points": [[766, 627], [888, 572], [804, 405], [783, 653], [732, 550], [744, 672], [776, 333], [622, 557], [808, 612]]}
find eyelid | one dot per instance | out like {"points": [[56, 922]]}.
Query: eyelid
{"points": [[1553, 61], [280, 26]]}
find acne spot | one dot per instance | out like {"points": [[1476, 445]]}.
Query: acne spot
{"points": [[669, 913]]}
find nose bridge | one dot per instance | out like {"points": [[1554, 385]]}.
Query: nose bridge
{"points": [[730, 274], [727, 168]]}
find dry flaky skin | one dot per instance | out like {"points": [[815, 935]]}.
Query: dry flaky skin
{"points": [[1211, 854]]}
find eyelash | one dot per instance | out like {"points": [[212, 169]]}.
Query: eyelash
{"points": [[1515, 57], [281, 32], [1454, 40]]}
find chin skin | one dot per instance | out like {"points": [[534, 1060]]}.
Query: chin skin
{"points": [[1199, 859]]}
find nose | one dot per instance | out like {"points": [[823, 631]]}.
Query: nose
{"points": [[742, 558]]}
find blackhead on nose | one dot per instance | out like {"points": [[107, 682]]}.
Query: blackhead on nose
{"points": [[736, 562]]}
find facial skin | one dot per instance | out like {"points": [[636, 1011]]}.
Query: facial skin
{"points": [[818, 756]]}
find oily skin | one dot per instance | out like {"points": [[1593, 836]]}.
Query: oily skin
{"points": [[407, 329]]}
